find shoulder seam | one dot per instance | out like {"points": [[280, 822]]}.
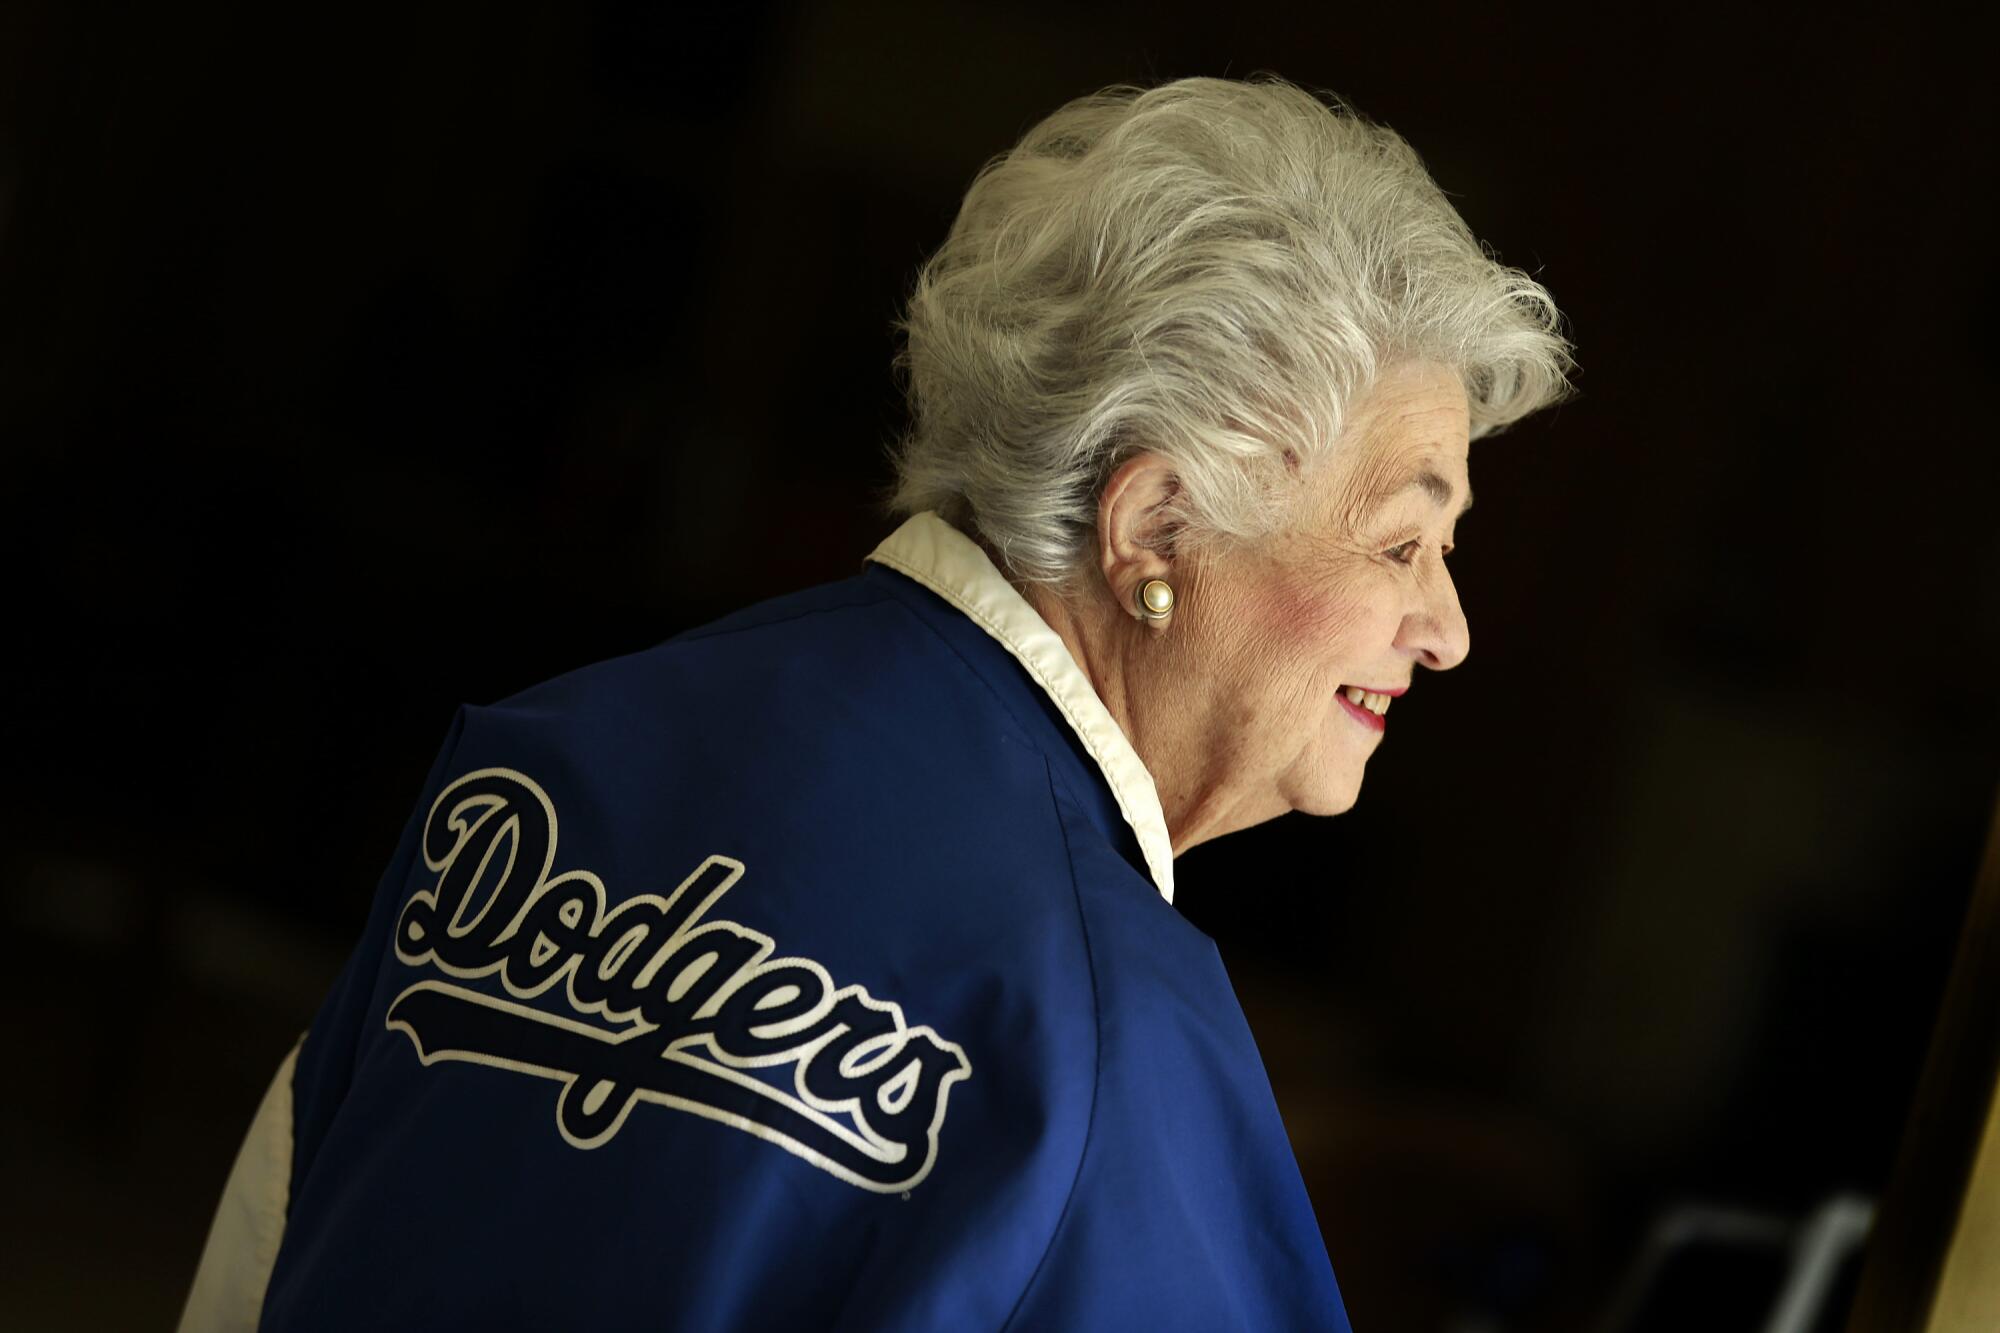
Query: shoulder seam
{"points": [[1097, 1066]]}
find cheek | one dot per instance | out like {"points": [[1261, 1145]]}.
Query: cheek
{"points": [[1309, 634], [1320, 624]]}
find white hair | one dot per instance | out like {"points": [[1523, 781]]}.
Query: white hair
{"points": [[1210, 270]]}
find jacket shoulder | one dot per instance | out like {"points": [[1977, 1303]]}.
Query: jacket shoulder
{"points": [[827, 732]]}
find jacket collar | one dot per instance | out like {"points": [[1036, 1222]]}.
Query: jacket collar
{"points": [[951, 564]]}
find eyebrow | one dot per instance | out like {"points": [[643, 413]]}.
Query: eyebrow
{"points": [[1434, 486]]}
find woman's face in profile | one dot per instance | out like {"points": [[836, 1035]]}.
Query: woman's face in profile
{"points": [[1353, 598]]}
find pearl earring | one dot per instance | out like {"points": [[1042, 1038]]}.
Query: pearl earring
{"points": [[1155, 599]]}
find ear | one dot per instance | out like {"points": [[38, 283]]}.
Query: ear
{"points": [[1134, 528]]}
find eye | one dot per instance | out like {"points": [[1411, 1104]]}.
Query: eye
{"points": [[1406, 554]]}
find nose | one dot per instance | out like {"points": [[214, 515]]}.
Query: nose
{"points": [[1435, 632]]}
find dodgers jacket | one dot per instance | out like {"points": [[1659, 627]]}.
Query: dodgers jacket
{"points": [[815, 969]]}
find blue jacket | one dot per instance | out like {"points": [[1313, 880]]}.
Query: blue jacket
{"points": [[815, 969]]}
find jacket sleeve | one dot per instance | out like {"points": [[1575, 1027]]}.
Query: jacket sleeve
{"points": [[228, 1292], [1171, 1236], [249, 1226], [1188, 1210]]}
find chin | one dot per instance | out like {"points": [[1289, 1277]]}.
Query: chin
{"points": [[1329, 797]]}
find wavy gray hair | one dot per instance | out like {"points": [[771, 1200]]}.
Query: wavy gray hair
{"points": [[1209, 270]]}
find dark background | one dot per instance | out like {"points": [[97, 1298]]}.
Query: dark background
{"points": [[360, 360]]}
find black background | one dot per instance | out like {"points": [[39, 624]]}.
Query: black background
{"points": [[358, 361]]}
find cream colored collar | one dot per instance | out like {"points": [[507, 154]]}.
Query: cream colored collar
{"points": [[952, 565]]}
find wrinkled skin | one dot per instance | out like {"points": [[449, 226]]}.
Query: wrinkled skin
{"points": [[1232, 702]]}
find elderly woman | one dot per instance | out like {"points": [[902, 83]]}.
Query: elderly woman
{"points": [[817, 969]]}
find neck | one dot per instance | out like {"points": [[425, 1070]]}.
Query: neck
{"points": [[1133, 671]]}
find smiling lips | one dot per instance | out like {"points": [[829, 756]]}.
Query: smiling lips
{"points": [[1367, 706]]}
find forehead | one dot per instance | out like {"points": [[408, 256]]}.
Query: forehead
{"points": [[1415, 420]]}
